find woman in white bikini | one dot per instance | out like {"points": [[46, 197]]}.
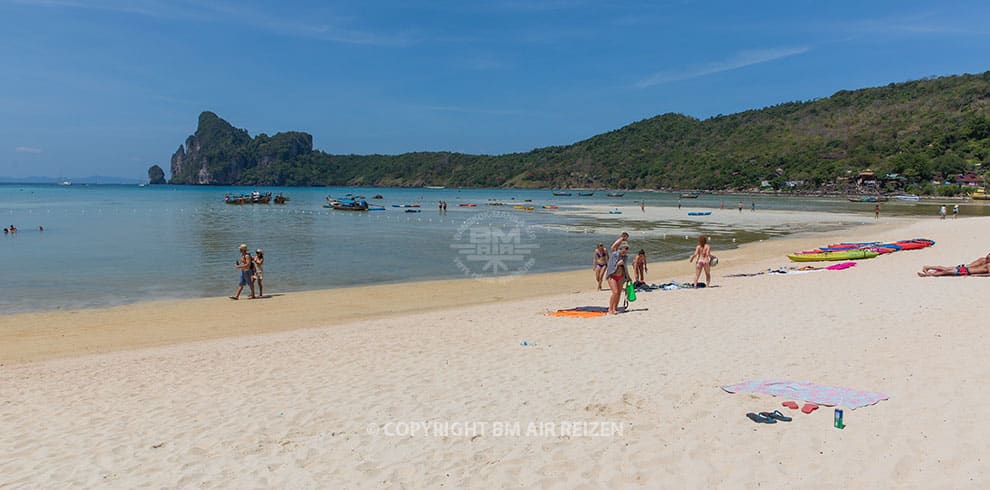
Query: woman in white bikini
{"points": [[703, 252]]}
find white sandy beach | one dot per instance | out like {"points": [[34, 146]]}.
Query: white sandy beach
{"points": [[172, 395]]}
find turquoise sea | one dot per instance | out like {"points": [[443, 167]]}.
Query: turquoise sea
{"points": [[107, 245]]}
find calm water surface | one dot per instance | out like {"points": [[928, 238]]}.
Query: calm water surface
{"points": [[109, 245]]}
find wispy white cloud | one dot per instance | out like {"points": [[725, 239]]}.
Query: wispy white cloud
{"points": [[27, 149], [739, 60], [324, 27]]}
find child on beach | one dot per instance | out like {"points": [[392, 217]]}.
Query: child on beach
{"points": [[639, 266]]}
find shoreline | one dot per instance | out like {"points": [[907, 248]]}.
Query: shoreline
{"points": [[333, 406], [29, 337]]}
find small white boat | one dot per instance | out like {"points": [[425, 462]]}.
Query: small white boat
{"points": [[66, 182], [434, 187], [911, 198]]}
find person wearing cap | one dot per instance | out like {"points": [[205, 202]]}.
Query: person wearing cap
{"points": [[244, 265], [259, 270], [616, 273]]}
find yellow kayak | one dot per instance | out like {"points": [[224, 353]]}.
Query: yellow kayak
{"points": [[837, 255]]}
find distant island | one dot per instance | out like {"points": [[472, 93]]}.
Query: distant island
{"points": [[912, 136]]}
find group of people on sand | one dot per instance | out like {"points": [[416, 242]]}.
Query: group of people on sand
{"points": [[251, 270], [610, 265]]}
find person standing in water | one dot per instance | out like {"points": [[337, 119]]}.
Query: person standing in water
{"points": [[703, 253]]}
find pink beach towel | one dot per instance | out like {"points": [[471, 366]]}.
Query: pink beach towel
{"points": [[840, 266], [830, 396]]}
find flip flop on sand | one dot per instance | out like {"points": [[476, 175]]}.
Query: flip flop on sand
{"points": [[760, 418], [809, 407], [776, 415], [790, 405]]}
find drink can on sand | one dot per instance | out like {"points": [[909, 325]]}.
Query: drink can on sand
{"points": [[838, 419]]}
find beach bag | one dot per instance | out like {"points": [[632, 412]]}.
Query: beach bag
{"points": [[630, 291], [713, 261]]}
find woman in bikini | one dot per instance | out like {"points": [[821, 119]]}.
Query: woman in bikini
{"points": [[600, 262], [978, 267], [617, 276], [703, 253], [639, 266]]}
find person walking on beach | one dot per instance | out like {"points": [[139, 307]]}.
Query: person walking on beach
{"points": [[244, 265], [740, 206], [703, 253], [721, 204], [753, 208], [639, 266], [642, 206], [955, 211], [678, 203], [259, 271], [617, 274], [599, 263], [941, 212], [876, 212]]}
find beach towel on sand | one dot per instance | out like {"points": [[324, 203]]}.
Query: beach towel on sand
{"points": [[581, 312], [830, 396]]}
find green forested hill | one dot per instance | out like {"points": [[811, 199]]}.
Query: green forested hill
{"points": [[918, 129]]}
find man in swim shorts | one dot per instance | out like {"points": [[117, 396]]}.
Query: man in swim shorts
{"points": [[243, 265]]}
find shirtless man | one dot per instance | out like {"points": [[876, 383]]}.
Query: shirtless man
{"points": [[244, 266]]}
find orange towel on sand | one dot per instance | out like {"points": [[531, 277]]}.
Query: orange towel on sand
{"points": [[581, 312]]}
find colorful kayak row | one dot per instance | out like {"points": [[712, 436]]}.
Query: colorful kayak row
{"points": [[858, 250]]}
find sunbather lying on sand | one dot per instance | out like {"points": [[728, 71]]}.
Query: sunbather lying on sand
{"points": [[983, 269]]}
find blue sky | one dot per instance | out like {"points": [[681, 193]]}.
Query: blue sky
{"points": [[110, 87]]}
